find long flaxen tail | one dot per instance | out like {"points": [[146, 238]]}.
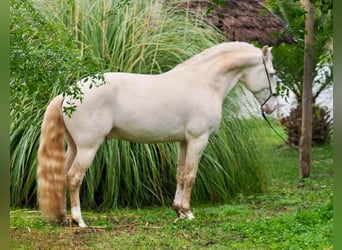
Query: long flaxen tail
{"points": [[51, 173]]}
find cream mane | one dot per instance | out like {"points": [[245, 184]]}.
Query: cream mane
{"points": [[227, 47]]}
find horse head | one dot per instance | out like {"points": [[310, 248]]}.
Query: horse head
{"points": [[261, 81]]}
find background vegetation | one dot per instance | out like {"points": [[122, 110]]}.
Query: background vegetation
{"points": [[289, 62], [53, 43], [290, 68]]}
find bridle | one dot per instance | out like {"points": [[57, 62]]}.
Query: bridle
{"points": [[269, 86], [269, 97]]}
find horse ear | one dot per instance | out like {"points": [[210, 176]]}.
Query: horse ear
{"points": [[265, 51]]}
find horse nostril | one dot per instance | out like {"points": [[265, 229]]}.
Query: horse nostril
{"points": [[266, 108]]}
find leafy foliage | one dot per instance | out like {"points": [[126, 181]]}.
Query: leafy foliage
{"points": [[44, 59], [288, 59], [213, 3]]}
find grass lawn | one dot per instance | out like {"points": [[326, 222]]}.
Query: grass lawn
{"points": [[288, 215]]}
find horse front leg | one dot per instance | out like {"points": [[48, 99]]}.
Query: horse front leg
{"points": [[194, 151], [177, 202]]}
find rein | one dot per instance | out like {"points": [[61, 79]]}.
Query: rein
{"points": [[269, 85], [261, 106]]}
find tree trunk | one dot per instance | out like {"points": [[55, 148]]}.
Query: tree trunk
{"points": [[306, 135]]}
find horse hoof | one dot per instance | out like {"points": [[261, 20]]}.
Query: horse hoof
{"points": [[79, 223], [189, 215], [82, 224], [181, 216]]}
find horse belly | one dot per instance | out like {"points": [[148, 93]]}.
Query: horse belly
{"points": [[146, 132]]}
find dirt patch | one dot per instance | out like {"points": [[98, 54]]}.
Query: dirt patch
{"points": [[67, 238]]}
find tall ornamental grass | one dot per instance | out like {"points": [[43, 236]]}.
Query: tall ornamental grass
{"points": [[133, 36]]}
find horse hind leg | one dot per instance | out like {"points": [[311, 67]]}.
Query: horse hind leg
{"points": [[71, 151], [69, 158], [75, 175]]}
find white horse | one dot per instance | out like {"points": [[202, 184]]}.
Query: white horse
{"points": [[183, 105]]}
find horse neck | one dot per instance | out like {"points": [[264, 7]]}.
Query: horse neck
{"points": [[224, 71]]}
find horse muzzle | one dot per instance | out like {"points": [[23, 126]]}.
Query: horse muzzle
{"points": [[268, 109]]}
